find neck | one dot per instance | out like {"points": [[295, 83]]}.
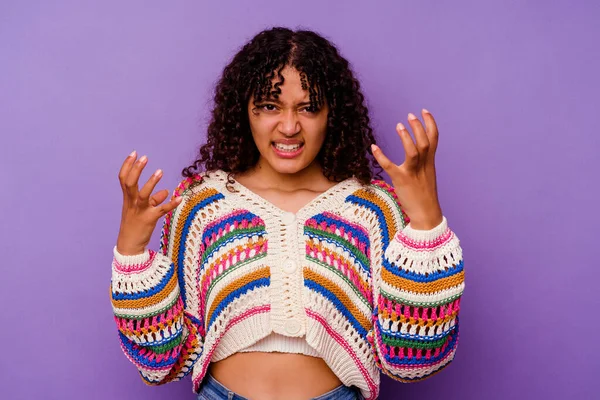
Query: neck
{"points": [[267, 177]]}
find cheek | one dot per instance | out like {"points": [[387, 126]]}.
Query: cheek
{"points": [[318, 129], [261, 130]]}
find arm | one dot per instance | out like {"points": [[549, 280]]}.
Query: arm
{"points": [[418, 280], [158, 333]]}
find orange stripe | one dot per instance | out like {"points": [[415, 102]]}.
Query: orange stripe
{"points": [[383, 206], [152, 328], [394, 316], [364, 285], [149, 301], [183, 216], [240, 248], [342, 297], [422, 287], [244, 280]]}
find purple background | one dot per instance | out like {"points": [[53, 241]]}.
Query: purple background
{"points": [[512, 84]]}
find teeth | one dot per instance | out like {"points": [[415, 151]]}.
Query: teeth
{"points": [[287, 147]]}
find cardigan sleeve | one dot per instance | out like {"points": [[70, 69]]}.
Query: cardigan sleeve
{"points": [[157, 328], [418, 280]]}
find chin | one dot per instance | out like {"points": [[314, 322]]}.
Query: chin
{"points": [[287, 166]]}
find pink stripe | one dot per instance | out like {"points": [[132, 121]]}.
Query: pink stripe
{"points": [[338, 218], [167, 316], [232, 322], [183, 185], [142, 367], [135, 268], [425, 245], [256, 221], [212, 271], [338, 338], [438, 350]]}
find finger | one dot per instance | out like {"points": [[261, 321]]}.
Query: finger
{"points": [[125, 168], [382, 160], [148, 188], [420, 136], [411, 154], [131, 181], [158, 197], [432, 132], [171, 205]]}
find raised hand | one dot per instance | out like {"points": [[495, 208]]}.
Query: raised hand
{"points": [[141, 211], [414, 180]]}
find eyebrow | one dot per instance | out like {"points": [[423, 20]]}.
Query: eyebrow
{"points": [[277, 101]]}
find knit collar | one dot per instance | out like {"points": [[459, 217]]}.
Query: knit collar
{"points": [[329, 200]]}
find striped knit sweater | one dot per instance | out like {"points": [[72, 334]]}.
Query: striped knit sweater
{"points": [[347, 272]]}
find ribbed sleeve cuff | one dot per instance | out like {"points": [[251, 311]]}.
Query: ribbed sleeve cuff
{"points": [[129, 263], [426, 236]]}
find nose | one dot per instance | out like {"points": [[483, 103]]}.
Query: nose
{"points": [[289, 124]]}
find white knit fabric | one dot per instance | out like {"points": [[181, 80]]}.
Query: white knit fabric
{"points": [[273, 343]]}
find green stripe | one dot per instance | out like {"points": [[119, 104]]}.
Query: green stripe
{"points": [[210, 249], [163, 348], [394, 202], [345, 243], [400, 300], [415, 344], [231, 269], [345, 278], [150, 314]]}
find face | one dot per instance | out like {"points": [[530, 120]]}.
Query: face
{"points": [[287, 131]]}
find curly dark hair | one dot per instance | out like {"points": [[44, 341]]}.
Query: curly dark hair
{"points": [[346, 151]]}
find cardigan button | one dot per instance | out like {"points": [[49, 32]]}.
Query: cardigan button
{"points": [[289, 266], [292, 327], [288, 218]]}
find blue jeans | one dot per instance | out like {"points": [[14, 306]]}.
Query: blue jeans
{"points": [[212, 389]]}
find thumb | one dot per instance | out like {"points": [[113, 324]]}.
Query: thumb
{"points": [[158, 197], [382, 160]]}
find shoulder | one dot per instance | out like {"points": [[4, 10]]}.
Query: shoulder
{"points": [[380, 198], [188, 183], [191, 185], [378, 191], [387, 191], [201, 190]]}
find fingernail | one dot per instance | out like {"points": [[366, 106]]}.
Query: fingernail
{"points": [[374, 147], [143, 159], [158, 172], [132, 154], [411, 116], [425, 111], [400, 126]]}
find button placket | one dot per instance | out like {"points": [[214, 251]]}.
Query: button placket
{"points": [[288, 218], [293, 325], [289, 266]]}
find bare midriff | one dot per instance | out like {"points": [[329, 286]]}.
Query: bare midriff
{"points": [[269, 376]]}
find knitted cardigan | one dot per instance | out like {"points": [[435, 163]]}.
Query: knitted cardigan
{"points": [[347, 272]]}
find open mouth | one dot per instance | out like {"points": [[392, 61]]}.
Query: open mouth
{"points": [[287, 150]]}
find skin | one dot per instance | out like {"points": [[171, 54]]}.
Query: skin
{"points": [[291, 183], [288, 184]]}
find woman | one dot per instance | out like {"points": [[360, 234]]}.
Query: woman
{"points": [[285, 269]]}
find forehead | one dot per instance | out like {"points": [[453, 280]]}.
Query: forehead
{"points": [[291, 90]]}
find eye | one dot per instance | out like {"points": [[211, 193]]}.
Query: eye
{"points": [[267, 107], [311, 109]]}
